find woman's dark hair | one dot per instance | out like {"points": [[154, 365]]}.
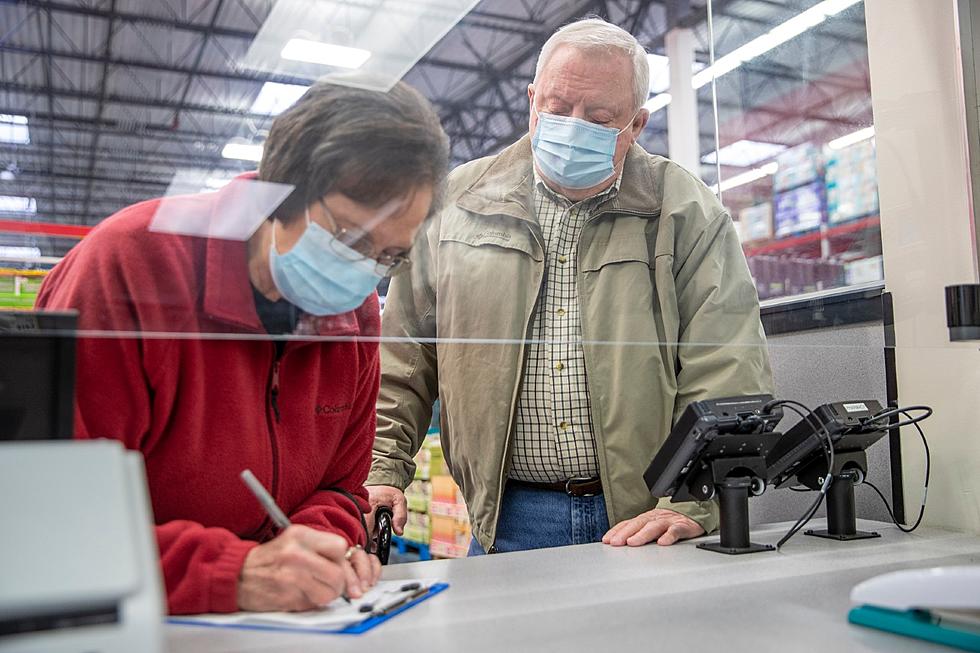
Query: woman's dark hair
{"points": [[371, 146]]}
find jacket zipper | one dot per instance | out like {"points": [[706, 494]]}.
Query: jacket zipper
{"points": [[599, 435], [274, 403], [514, 399]]}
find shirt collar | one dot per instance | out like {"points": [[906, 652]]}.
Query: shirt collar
{"points": [[541, 186]]}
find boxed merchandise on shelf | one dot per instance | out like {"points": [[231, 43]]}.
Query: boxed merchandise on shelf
{"points": [[429, 461], [800, 209], [797, 166], [450, 536], [445, 490], [778, 276], [756, 222], [852, 183], [418, 528], [864, 270], [418, 495]]}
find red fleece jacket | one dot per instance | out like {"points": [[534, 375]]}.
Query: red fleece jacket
{"points": [[201, 409]]}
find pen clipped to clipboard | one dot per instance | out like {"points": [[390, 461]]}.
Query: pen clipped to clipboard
{"points": [[380, 603]]}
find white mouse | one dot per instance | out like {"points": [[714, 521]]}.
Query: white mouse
{"points": [[937, 588]]}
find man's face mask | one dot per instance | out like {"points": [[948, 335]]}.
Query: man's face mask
{"points": [[321, 275], [574, 153]]}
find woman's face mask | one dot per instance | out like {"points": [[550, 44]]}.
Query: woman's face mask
{"points": [[321, 275], [574, 153]]}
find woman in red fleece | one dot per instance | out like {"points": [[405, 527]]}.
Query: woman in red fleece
{"points": [[185, 357]]}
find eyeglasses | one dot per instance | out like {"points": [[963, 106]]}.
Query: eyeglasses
{"points": [[358, 246]]}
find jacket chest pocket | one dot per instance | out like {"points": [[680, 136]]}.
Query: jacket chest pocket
{"points": [[619, 252], [488, 241]]}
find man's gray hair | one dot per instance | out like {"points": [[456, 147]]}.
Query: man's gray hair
{"points": [[597, 34]]}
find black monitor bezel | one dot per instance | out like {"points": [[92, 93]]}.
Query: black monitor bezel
{"points": [[61, 327]]}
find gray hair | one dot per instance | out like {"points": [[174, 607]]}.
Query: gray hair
{"points": [[368, 145], [594, 33]]}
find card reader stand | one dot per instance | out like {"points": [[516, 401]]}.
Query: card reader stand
{"points": [[733, 481], [849, 470], [718, 448]]}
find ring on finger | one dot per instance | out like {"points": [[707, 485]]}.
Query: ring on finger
{"points": [[351, 551]]}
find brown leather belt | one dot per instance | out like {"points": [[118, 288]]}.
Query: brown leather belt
{"points": [[576, 487]]}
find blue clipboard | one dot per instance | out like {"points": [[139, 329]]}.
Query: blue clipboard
{"points": [[353, 629]]}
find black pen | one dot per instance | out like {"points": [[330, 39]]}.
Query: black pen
{"points": [[275, 513], [400, 603]]}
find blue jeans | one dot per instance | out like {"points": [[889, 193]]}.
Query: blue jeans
{"points": [[537, 519]]}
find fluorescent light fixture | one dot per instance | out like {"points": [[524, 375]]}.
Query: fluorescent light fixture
{"points": [[660, 72], [772, 39], [325, 54], [744, 153], [852, 138], [657, 102], [274, 98], [759, 46], [368, 44], [16, 204], [747, 177], [15, 252], [214, 183], [242, 151], [13, 129]]}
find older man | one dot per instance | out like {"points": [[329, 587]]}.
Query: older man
{"points": [[573, 296]]}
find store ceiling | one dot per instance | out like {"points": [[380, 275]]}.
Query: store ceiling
{"points": [[121, 95]]}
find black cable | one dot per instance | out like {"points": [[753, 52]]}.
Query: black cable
{"points": [[925, 487], [904, 411], [828, 452]]}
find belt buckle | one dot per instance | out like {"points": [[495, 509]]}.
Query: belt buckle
{"points": [[578, 479]]}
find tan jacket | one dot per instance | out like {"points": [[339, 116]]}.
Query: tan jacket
{"points": [[669, 315]]}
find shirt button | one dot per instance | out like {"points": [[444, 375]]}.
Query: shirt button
{"points": [[563, 259], [560, 312], [563, 425], [559, 366]]}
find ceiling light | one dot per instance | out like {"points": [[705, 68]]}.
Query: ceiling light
{"points": [[325, 54], [773, 38], [214, 183], [660, 71], [852, 138], [13, 129], [15, 252], [759, 46], [368, 44], [274, 98], [744, 153], [747, 177], [657, 102], [15, 204], [243, 151]]}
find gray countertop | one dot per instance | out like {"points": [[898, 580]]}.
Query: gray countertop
{"points": [[592, 597]]}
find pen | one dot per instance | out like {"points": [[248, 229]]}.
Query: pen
{"points": [[275, 513], [400, 603]]}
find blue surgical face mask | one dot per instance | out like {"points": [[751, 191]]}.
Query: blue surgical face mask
{"points": [[574, 153], [322, 275]]}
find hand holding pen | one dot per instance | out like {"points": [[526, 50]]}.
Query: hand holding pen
{"points": [[302, 568]]}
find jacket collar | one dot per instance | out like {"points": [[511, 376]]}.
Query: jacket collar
{"points": [[227, 294], [506, 186]]}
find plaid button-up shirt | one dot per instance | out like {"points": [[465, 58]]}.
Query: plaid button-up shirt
{"points": [[554, 438]]}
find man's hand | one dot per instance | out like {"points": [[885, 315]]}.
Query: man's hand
{"points": [[302, 569], [664, 526], [387, 495]]}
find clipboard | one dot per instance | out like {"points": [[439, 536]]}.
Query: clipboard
{"points": [[393, 604]]}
